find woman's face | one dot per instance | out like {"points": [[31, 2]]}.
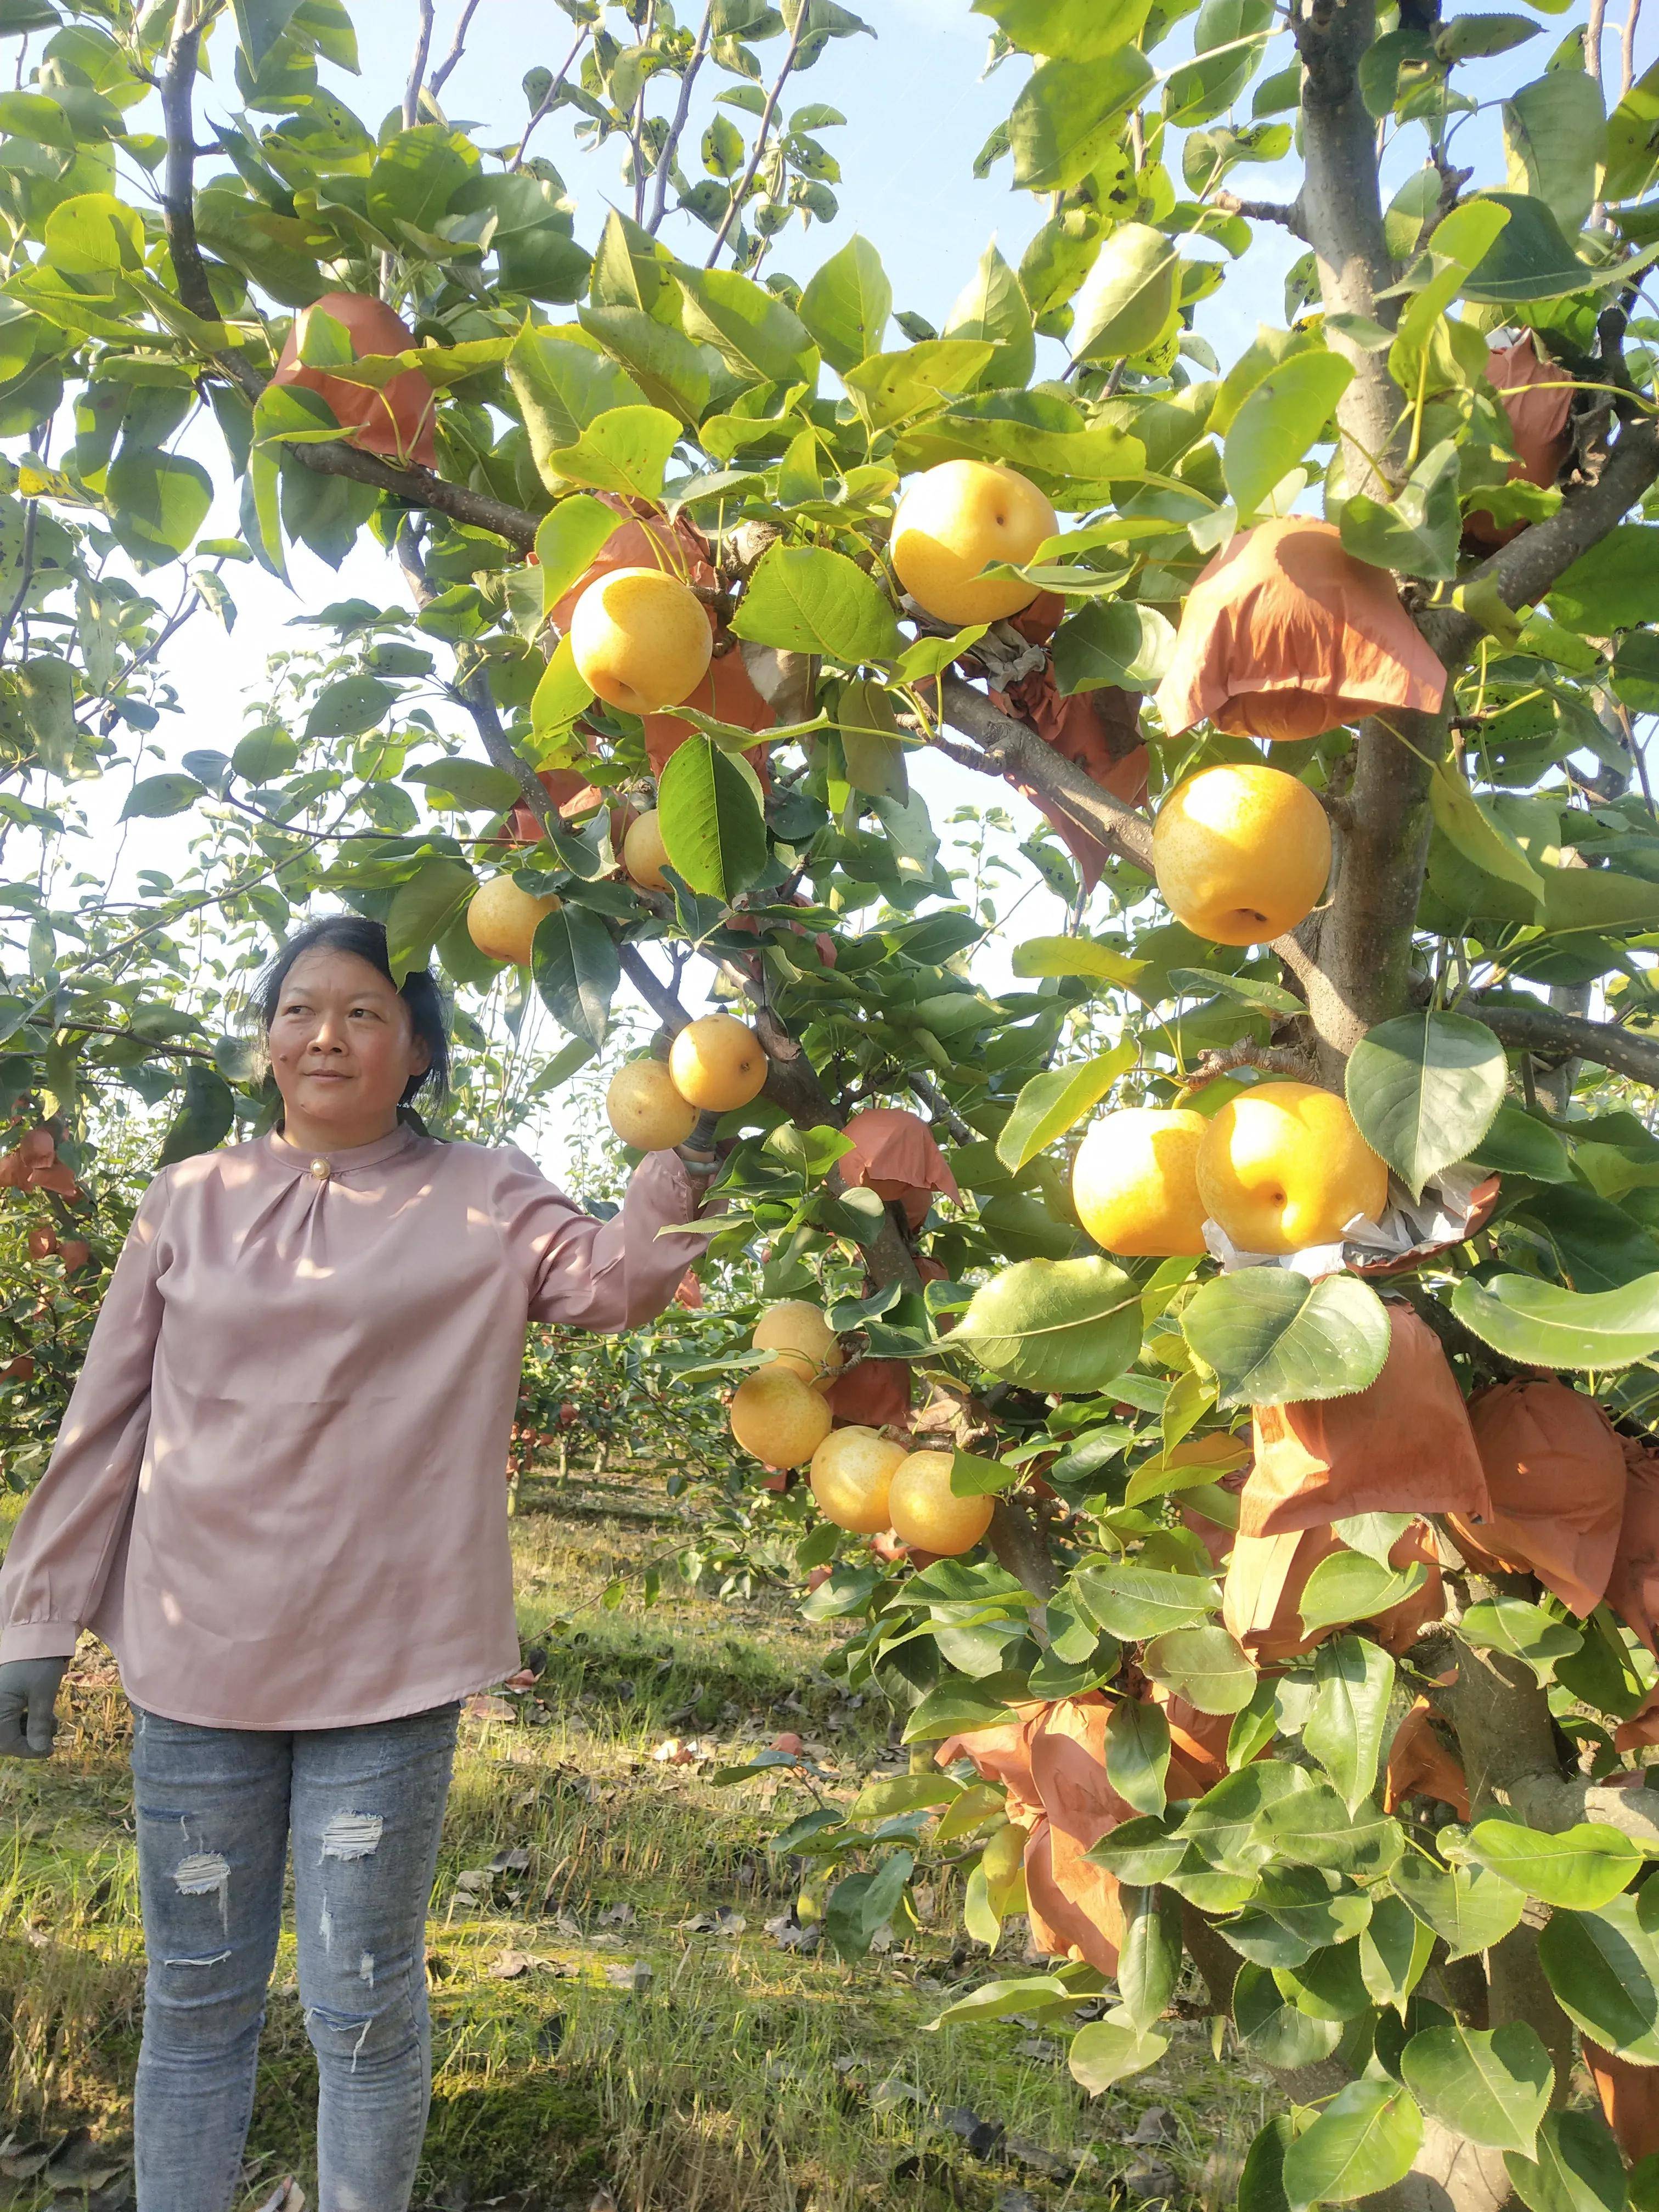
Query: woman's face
{"points": [[343, 1047]]}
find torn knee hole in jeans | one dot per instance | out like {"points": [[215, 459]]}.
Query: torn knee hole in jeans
{"points": [[352, 1836], [208, 1959], [205, 1874], [354, 2028]]}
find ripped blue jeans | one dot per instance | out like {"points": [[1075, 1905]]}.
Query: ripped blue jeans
{"points": [[214, 1810]]}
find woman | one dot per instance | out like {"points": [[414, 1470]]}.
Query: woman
{"points": [[277, 1495]]}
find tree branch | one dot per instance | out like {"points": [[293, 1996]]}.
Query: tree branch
{"points": [[940, 1106], [544, 104], [1287, 214], [682, 109], [1009, 749], [427, 9], [1535, 1027], [179, 195], [441, 75], [1342, 208], [734, 205], [1524, 569]]}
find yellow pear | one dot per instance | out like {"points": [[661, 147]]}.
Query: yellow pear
{"points": [[501, 919], [643, 852], [801, 1336], [1135, 1182], [927, 1513], [717, 1063], [641, 640], [774, 1416], [1004, 1853], [958, 519], [1241, 852], [645, 1109], [1283, 1166], [851, 1474]]}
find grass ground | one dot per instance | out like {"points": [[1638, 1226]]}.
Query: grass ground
{"points": [[736, 2074]]}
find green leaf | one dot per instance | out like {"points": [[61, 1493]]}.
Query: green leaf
{"points": [[1555, 135], [1112, 642], [758, 338], [422, 909], [847, 303], [1365, 2139], [158, 501], [973, 1476], [1111, 2049], [1424, 1089], [470, 783], [860, 1905], [1519, 1143], [1494, 2088], [349, 706], [1068, 113], [562, 387], [1349, 1586], [1604, 1969], [805, 599], [1468, 1908], [1049, 1105], [203, 1120], [1615, 586], [1076, 30], [567, 540], [1127, 301], [1275, 2032], [576, 968], [1632, 150], [1541, 1325], [625, 450], [1149, 1955], [1314, 1827], [1395, 1950], [1524, 1630], [1466, 821], [1284, 417], [711, 822], [1204, 1665], [266, 753], [1583, 1868], [673, 373], [1272, 1338], [1133, 1601], [1054, 1324], [1578, 2168], [1036, 1993], [992, 307], [94, 235], [1418, 531], [1075, 956], [889, 388], [156, 796], [1353, 1681], [1532, 259], [1137, 1754]]}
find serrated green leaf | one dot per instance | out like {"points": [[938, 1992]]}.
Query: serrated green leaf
{"points": [[1273, 1338]]}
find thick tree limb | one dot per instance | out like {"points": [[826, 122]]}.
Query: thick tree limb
{"points": [[1287, 214], [1361, 973], [1341, 206], [1537, 1028], [1012, 749], [1524, 569]]}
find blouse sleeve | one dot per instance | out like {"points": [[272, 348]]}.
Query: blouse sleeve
{"points": [[599, 1274], [60, 1552]]}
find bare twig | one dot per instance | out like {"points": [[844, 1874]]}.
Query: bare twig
{"points": [[545, 104], [426, 9], [676, 128], [940, 1106], [1627, 49], [762, 131], [1288, 215], [441, 75]]}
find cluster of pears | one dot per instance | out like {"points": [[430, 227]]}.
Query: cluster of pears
{"points": [[714, 1065], [1280, 1167], [502, 916], [862, 1480]]}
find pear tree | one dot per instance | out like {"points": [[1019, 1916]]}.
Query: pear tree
{"points": [[1257, 1273]]}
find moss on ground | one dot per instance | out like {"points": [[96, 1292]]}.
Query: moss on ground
{"points": [[735, 2076]]}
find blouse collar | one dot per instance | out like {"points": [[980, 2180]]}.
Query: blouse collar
{"points": [[340, 1159]]}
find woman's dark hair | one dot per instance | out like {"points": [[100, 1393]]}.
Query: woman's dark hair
{"points": [[355, 933]]}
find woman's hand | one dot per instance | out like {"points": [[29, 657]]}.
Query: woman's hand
{"points": [[28, 1698], [697, 1153]]}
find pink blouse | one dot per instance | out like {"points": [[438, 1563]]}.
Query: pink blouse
{"points": [[279, 1492]]}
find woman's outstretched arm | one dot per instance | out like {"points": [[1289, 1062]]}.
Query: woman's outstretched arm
{"points": [[600, 1274]]}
